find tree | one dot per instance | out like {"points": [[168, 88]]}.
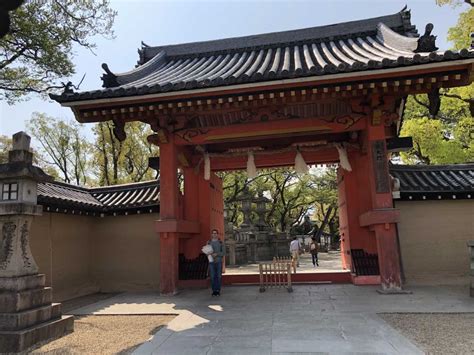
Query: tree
{"points": [[435, 143], [5, 146], [324, 190], [64, 146], [293, 196], [447, 137], [460, 34], [38, 51], [121, 162]]}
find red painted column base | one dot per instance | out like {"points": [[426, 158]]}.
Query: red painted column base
{"points": [[169, 245], [383, 222]]}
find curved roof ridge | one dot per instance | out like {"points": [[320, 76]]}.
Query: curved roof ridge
{"points": [[399, 21], [125, 185]]}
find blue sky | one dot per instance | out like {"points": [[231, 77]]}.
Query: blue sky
{"points": [[167, 22]]}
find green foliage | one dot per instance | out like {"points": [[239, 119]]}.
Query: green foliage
{"points": [[67, 154], [435, 143], [293, 196], [460, 34], [63, 144], [448, 137], [38, 51], [5, 146], [453, 3], [445, 139], [118, 162]]}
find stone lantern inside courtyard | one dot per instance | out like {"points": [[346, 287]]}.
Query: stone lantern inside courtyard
{"points": [[261, 202], [27, 315]]}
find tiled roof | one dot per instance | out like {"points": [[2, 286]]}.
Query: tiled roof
{"points": [[128, 196], [376, 43], [435, 181], [59, 194], [416, 182], [60, 197]]}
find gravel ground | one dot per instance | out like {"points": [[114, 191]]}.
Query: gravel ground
{"points": [[436, 333], [102, 334]]}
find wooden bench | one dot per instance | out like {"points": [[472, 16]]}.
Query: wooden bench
{"points": [[275, 274]]}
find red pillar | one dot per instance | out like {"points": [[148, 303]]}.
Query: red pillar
{"points": [[367, 217], [382, 218], [191, 246], [169, 242]]}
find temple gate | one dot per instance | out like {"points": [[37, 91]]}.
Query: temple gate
{"points": [[332, 93]]}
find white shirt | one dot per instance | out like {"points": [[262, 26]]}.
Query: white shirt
{"points": [[295, 245]]}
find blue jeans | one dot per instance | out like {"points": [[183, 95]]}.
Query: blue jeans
{"points": [[215, 269]]}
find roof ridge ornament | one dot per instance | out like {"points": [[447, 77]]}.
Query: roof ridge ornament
{"points": [[426, 43], [109, 79]]}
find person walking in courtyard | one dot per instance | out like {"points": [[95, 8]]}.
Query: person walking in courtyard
{"points": [[313, 248], [215, 266], [295, 248]]}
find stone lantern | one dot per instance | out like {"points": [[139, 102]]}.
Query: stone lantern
{"points": [[261, 202], [27, 315], [246, 201]]}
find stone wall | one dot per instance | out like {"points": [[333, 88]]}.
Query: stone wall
{"points": [[82, 255], [433, 237]]}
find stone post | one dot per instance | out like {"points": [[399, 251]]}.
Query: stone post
{"points": [[27, 315], [470, 244]]}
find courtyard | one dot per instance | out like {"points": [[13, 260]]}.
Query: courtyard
{"points": [[313, 319], [328, 262]]}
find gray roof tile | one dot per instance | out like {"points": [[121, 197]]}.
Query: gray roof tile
{"points": [[380, 42], [431, 181], [435, 181], [108, 199]]}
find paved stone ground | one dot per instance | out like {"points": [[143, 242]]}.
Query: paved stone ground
{"points": [[328, 262], [313, 319]]}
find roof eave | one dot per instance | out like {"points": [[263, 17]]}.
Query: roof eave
{"points": [[331, 78]]}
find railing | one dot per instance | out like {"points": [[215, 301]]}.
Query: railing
{"points": [[286, 259], [193, 269], [364, 263], [275, 274]]}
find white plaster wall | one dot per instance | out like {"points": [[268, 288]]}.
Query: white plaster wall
{"points": [[433, 239], [60, 244], [125, 253]]}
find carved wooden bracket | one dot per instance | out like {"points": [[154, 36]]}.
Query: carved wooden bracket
{"points": [[434, 102], [119, 130], [159, 138]]}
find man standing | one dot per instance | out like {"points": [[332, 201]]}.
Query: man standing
{"points": [[215, 266], [295, 250]]}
